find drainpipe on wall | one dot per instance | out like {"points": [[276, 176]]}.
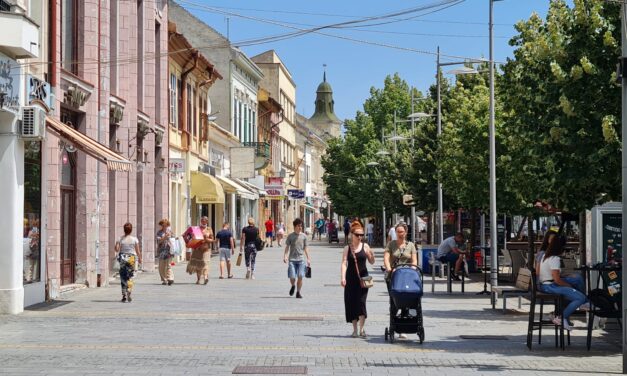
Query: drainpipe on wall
{"points": [[100, 114]]}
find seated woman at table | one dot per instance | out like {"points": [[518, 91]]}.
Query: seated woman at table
{"points": [[551, 282], [573, 279]]}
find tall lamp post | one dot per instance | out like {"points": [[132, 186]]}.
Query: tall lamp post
{"points": [[464, 70]]}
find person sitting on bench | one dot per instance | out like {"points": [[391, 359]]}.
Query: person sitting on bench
{"points": [[449, 252]]}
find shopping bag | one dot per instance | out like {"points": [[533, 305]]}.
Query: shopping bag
{"points": [[239, 260], [175, 246], [193, 237], [308, 272]]}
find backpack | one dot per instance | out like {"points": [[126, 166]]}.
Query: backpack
{"points": [[602, 299]]}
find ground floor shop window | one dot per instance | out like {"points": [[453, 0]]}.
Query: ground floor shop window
{"points": [[32, 213]]}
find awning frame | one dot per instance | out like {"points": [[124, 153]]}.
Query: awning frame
{"points": [[89, 146], [238, 189]]}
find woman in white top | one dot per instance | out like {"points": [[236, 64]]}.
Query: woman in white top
{"points": [[551, 282], [127, 249]]}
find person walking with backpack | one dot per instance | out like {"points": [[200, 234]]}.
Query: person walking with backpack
{"points": [[247, 244], [295, 249]]}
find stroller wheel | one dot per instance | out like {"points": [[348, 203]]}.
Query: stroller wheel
{"points": [[391, 335], [421, 334], [386, 334]]}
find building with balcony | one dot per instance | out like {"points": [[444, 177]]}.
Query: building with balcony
{"points": [[235, 108], [278, 82], [194, 190]]}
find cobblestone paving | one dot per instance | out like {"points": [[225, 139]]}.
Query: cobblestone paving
{"points": [[189, 329]]}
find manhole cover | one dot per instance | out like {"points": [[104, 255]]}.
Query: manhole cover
{"points": [[270, 370], [493, 338], [301, 318]]}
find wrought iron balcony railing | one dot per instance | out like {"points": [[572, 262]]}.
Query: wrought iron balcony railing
{"points": [[262, 149]]}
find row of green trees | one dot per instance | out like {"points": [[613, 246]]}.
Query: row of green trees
{"points": [[557, 127]]}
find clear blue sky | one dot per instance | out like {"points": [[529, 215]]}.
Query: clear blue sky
{"points": [[352, 68]]}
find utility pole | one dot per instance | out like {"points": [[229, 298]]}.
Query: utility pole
{"points": [[492, 134], [440, 205], [623, 16]]}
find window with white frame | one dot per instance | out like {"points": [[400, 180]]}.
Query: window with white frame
{"points": [[173, 100]]}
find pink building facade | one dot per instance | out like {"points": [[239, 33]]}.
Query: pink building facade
{"points": [[109, 80]]}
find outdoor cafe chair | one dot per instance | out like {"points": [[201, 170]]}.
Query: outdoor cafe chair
{"points": [[538, 297]]}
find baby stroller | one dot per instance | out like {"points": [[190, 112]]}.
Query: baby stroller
{"points": [[333, 235], [405, 291]]}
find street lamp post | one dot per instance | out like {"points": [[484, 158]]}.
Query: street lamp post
{"points": [[439, 97], [493, 213]]}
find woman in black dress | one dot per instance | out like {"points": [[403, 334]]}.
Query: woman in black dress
{"points": [[356, 254]]}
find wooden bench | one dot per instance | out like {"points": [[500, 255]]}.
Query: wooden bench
{"points": [[521, 289]]}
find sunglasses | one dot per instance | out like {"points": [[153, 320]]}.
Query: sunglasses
{"points": [[359, 235]]}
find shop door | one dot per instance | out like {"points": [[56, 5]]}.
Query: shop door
{"points": [[68, 218], [68, 249]]}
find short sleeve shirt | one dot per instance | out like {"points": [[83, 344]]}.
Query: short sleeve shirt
{"points": [[269, 226], [127, 244], [224, 236], [392, 233], [369, 228], [163, 247], [251, 233], [447, 246], [546, 268], [400, 255], [296, 243]]}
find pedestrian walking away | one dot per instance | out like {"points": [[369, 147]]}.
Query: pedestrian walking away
{"points": [[280, 232], [392, 234], [397, 253], [353, 269], [449, 252], [164, 251], [201, 256], [295, 252], [347, 229], [226, 247], [250, 234], [127, 252], [370, 231], [269, 231]]}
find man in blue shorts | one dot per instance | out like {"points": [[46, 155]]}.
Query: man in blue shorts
{"points": [[294, 256], [449, 252]]}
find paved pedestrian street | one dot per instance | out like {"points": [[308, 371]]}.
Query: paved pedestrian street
{"points": [[189, 329]]}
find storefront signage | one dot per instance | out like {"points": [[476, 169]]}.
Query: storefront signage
{"points": [[38, 90], [296, 194], [274, 188], [10, 71], [176, 165]]}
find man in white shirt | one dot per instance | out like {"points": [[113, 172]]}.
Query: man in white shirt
{"points": [[370, 232], [392, 234]]}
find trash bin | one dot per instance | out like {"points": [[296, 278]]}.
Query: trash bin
{"points": [[426, 255]]}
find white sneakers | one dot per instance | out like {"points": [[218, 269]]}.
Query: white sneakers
{"points": [[402, 336]]}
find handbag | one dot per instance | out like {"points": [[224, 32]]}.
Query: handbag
{"points": [[259, 244], [308, 272], [365, 282], [239, 260]]}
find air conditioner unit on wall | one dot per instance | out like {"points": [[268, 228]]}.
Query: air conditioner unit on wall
{"points": [[33, 122]]}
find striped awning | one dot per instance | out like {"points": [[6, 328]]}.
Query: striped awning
{"points": [[114, 160]]}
